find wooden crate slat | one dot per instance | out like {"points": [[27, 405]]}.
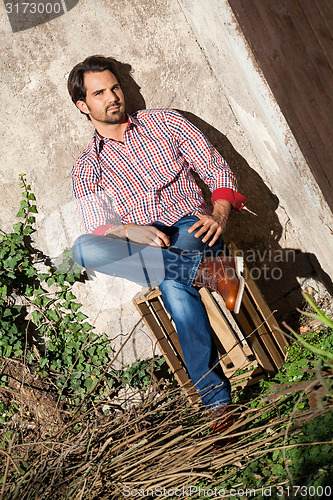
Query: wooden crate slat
{"points": [[265, 311], [229, 372], [146, 294], [254, 370], [160, 312], [254, 342], [248, 378], [226, 336], [252, 288], [263, 332], [229, 317], [247, 382], [166, 350]]}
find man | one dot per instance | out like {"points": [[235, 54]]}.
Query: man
{"points": [[138, 168]]}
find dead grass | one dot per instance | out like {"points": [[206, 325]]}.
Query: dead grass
{"points": [[160, 442]]}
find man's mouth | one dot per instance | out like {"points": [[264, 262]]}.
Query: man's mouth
{"points": [[112, 108]]}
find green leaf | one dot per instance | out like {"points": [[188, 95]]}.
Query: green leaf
{"points": [[80, 316], [70, 295], [33, 209], [31, 272], [43, 362], [43, 276], [36, 316], [18, 227], [75, 306], [24, 204], [11, 262], [39, 291], [28, 230], [20, 213]]}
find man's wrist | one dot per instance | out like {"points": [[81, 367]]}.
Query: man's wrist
{"points": [[116, 230], [236, 199], [222, 207]]}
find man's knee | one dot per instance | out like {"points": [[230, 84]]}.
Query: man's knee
{"points": [[81, 248]]}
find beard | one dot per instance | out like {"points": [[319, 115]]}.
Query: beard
{"points": [[113, 114]]}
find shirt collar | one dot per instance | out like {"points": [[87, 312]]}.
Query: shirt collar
{"points": [[132, 120], [100, 140]]}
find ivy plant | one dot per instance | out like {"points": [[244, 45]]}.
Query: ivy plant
{"points": [[68, 351]]}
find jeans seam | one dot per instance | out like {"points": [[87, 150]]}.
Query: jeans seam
{"points": [[194, 270]]}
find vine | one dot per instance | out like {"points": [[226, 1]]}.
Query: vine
{"points": [[40, 318]]}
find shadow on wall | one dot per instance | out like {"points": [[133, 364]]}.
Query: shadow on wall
{"points": [[257, 236]]}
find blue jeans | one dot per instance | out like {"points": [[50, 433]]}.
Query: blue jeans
{"points": [[173, 270]]}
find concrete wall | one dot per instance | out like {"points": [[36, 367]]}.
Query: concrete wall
{"points": [[185, 56]]}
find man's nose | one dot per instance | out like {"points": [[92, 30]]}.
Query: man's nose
{"points": [[112, 96]]}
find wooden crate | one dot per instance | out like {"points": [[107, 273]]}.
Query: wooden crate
{"points": [[259, 326], [249, 342]]}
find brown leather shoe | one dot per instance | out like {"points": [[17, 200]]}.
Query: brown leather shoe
{"points": [[223, 274], [222, 418]]}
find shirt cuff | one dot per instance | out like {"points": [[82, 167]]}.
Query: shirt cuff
{"points": [[236, 199], [101, 230]]}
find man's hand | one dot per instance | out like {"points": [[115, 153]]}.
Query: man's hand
{"points": [[212, 226], [146, 235]]}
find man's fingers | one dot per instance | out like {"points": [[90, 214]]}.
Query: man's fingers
{"points": [[212, 230], [197, 224], [156, 238], [208, 227], [163, 238], [215, 238], [202, 230], [146, 235]]}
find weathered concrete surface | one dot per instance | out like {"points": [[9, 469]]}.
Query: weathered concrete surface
{"points": [[184, 56], [299, 217]]}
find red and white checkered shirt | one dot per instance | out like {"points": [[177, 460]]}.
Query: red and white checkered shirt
{"points": [[147, 178]]}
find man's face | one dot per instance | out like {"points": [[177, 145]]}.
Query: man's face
{"points": [[105, 102]]}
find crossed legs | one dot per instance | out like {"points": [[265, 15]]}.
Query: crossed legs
{"points": [[173, 270]]}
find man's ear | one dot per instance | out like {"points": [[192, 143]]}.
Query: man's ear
{"points": [[82, 107]]}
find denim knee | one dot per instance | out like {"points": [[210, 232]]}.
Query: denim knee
{"points": [[77, 249]]}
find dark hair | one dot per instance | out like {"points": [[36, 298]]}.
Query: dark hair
{"points": [[91, 64]]}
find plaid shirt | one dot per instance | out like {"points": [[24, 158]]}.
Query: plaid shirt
{"points": [[147, 178]]}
